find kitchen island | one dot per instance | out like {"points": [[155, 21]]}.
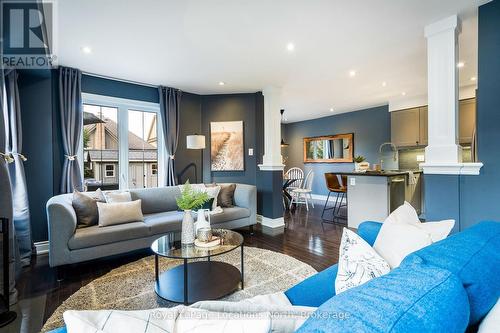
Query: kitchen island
{"points": [[373, 195]]}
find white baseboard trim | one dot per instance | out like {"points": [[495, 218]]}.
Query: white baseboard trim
{"points": [[322, 198], [271, 223], [42, 247]]}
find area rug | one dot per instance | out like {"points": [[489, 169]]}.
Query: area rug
{"points": [[131, 287]]}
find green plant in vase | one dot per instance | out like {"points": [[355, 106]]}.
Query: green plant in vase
{"points": [[188, 200], [359, 163]]}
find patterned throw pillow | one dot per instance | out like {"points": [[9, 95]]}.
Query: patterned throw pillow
{"points": [[358, 262]]}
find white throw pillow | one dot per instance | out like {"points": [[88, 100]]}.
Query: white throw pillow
{"points": [[358, 262], [491, 323], [112, 197], [213, 192], [119, 212], [402, 233]]}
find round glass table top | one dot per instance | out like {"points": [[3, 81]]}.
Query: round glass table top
{"points": [[166, 246]]}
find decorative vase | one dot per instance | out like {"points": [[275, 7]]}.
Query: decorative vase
{"points": [[187, 235]]}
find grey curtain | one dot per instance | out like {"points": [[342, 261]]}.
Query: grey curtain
{"points": [[13, 137], [5, 191], [70, 105], [170, 100]]}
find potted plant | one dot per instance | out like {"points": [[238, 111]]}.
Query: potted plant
{"points": [[188, 200], [359, 164]]}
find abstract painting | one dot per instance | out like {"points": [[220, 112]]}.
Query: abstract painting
{"points": [[226, 146]]}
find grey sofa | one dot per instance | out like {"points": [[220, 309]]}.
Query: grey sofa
{"points": [[68, 245]]}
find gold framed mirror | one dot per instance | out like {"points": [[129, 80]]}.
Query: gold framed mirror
{"points": [[329, 149]]}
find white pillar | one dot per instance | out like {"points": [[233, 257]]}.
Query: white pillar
{"points": [[272, 130], [442, 76]]}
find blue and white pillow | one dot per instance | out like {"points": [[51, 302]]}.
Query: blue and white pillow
{"points": [[358, 262]]}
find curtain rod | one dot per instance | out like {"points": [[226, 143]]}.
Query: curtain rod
{"points": [[121, 80]]}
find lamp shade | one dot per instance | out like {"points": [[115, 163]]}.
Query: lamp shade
{"points": [[195, 141]]}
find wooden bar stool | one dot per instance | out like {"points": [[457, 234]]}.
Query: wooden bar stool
{"points": [[340, 188]]}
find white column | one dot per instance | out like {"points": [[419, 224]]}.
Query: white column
{"points": [[442, 76], [443, 155], [272, 130]]}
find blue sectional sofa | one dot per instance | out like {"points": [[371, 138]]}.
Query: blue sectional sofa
{"points": [[445, 287]]}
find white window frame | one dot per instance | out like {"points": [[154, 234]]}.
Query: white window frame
{"points": [[106, 170], [123, 106]]}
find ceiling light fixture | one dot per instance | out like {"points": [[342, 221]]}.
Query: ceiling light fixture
{"points": [[331, 109], [86, 50], [473, 78], [403, 93], [460, 64], [352, 73], [290, 47], [384, 84], [221, 83]]}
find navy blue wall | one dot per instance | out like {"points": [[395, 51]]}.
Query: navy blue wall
{"points": [[120, 89], [245, 107], [371, 127], [475, 198], [35, 90]]}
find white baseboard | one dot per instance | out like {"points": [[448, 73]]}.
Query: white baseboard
{"points": [[42, 247], [271, 223], [322, 198]]}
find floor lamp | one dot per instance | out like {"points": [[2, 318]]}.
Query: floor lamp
{"points": [[6, 316], [196, 141]]}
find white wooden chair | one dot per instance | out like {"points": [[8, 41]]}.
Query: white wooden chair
{"points": [[304, 194], [295, 173]]}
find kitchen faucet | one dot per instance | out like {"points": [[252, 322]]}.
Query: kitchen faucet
{"points": [[394, 152]]}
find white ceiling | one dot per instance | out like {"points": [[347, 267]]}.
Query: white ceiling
{"points": [[194, 44]]}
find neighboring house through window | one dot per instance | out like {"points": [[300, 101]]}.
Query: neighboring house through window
{"points": [[120, 143]]}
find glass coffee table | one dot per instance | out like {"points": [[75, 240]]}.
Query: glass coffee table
{"points": [[201, 279]]}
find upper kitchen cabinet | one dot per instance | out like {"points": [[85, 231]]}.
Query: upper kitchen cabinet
{"points": [[467, 119], [405, 127], [409, 127]]}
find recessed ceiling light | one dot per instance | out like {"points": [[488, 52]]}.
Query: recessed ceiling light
{"points": [[290, 47], [86, 50], [331, 109], [403, 93], [473, 78], [460, 64], [384, 84], [352, 73], [221, 83], [285, 119]]}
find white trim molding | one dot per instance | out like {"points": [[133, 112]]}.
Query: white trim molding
{"points": [[271, 167], [471, 169], [271, 223], [42, 247]]}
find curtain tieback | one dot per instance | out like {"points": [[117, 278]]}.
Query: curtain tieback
{"points": [[172, 157], [7, 157], [20, 155], [71, 157]]}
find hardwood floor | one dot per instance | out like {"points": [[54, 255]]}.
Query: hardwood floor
{"points": [[305, 237]]}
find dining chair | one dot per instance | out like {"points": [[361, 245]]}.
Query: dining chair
{"points": [[301, 195], [339, 187], [298, 175]]}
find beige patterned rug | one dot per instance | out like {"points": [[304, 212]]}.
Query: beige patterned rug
{"points": [[131, 287]]}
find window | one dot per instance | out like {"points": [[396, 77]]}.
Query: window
{"points": [[109, 170], [120, 143], [142, 149], [100, 147]]}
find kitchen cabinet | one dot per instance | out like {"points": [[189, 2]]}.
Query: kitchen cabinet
{"points": [[406, 129], [409, 127], [467, 109]]}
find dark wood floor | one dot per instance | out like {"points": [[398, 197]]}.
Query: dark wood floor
{"points": [[305, 237]]}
